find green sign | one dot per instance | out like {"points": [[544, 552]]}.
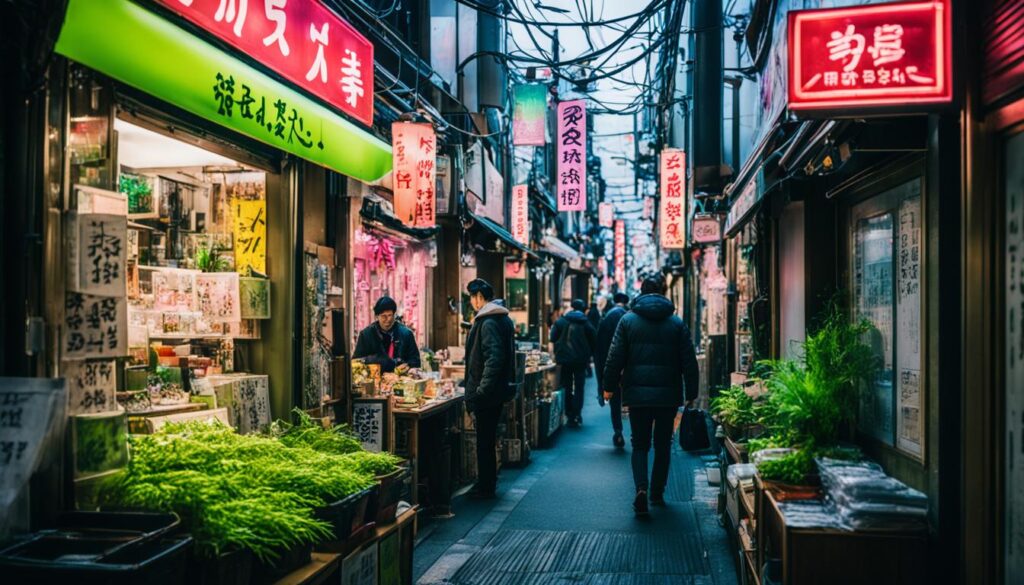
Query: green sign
{"points": [[139, 48]]}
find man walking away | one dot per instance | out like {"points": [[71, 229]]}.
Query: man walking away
{"points": [[574, 338], [490, 378], [594, 315], [652, 362], [604, 342]]}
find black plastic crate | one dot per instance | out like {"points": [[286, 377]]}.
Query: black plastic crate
{"points": [[153, 562]]}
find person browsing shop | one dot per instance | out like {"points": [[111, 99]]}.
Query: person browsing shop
{"points": [[386, 341]]}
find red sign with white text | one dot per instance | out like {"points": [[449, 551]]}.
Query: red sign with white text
{"points": [[414, 150], [301, 40], [870, 56], [672, 212], [520, 214]]}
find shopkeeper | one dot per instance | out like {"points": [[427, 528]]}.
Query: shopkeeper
{"points": [[387, 342]]}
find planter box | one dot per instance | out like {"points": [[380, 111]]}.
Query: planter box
{"points": [[290, 559], [383, 503], [154, 562], [346, 515], [232, 568]]}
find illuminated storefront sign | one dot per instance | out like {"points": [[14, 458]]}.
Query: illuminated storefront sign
{"points": [[529, 118], [605, 214], [302, 40], [572, 155], [520, 214], [706, 229], [870, 56], [620, 254], [140, 48], [415, 151], [672, 212]]}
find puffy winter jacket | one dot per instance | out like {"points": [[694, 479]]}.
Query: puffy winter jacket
{"points": [[574, 338], [370, 347], [652, 359], [490, 358], [604, 338]]}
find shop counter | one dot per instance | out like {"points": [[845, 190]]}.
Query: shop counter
{"points": [[430, 436]]}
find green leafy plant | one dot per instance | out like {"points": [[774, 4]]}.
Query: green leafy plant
{"points": [[209, 259], [138, 191], [792, 468], [734, 406]]}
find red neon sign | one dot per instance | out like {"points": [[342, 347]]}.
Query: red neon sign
{"points": [[869, 56], [301, 40]]}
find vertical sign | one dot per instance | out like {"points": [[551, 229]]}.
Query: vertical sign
{"points": [[605, 214], [673, 203], [92, 386], [250, 236], [620, 254], [302, 40], [528, 121], [572, 155], [97, 246], [415, 179], [1013, 359], [94, 326], [910, 402], [368, 424], [520, 215], [883, 55]]}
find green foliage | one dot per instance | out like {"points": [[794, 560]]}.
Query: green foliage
{"points": [[791, 468], [307, 433], [837, 357], [774, 441], [138, 191], [209, 259], [734, 406]]}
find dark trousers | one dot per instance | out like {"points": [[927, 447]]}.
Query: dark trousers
{"points": [[645, 421], [574, 380], [615, 404], [486, 441]]}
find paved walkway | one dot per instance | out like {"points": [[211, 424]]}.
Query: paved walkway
{"points": [[568, 518]]}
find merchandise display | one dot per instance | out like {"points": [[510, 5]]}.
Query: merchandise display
{"points": [[866, 498]]}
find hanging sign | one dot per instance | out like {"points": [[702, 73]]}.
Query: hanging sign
{"points": [[97, 246], [250, 236], [414, 147], [92, 386], [301, 40], [520, 214], [572, 155], [620, 254], [673, 204], [94, 326], [142, 49], [707, 229], [529, 120], [605, 214], [876, 56]]}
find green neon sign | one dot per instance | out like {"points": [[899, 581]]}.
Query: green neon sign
{"points": [[139, 48]]}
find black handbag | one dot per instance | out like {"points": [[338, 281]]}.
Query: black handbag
{"points": [[693, 430]]}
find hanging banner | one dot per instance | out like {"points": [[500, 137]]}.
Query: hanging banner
{"points": [[572, 155], [301, 40], [97, 250], [620, 254], [414, 147], [605, 214], [672, 212], [520, 214], [706, 229], [895, 55], [94, 326], [250, 236], [529, 119]]}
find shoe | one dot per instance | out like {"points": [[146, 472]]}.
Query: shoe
{"points": [[640, 504], [657, 498], [579, 421], [478, 493], [618, 441]]}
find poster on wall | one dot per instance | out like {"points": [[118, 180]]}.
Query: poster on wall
{"points": [[97, 250], [414, 148], [174, 290], [94, 326], [873, 300], [217, 296], [92, 386], [910, 390], [254, 297], [672, 213], [250, 219], [572, 156]]}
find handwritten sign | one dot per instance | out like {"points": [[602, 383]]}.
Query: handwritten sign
{"points": [[572, 156], [520, 214], [250, 236], [910, 408], [414, 147], [217, 296], [673, 203], [97, 249], [368, 424], [252, 400], [94, 326], [254, 295], [92, 386]]}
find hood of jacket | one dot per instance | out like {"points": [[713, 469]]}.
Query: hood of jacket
{"points": [[576, 317], [654, 307], [495, 307]]}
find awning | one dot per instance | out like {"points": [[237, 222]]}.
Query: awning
{"points": [[372, 214], [492, 229], [557, 247]]}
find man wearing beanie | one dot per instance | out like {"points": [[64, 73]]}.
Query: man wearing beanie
{"points": [[387, 342]]}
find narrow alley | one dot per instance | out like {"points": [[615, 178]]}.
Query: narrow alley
{"points": [[567, 518]]}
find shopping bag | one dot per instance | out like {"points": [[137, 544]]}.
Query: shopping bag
{"points": [[693, 430]]}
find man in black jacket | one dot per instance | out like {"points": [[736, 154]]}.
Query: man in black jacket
{"points": [[490, 378], [387, 342], [604, 342], [574, 338], [653, 364]]}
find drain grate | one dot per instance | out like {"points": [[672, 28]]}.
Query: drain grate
{"points": [[585, 558]]}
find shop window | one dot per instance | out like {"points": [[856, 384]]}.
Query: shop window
{"points": [[887, 261], [1013, 191], [396, 267]]}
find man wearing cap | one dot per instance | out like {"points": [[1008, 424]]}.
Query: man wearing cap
{"points": [[387, 342]]}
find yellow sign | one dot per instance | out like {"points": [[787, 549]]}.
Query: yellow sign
{"points": [[250, 219]]}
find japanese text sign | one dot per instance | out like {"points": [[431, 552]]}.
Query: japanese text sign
{"points": [[605, 215], [368, 424], [520, 214], [301, 40], [572, 155], [94, 326], [414, 148], [706, 230], [92, 386], [879, 55], [673, 203], [250, 219], [528, 120], [97, 246], [620, 254]]}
